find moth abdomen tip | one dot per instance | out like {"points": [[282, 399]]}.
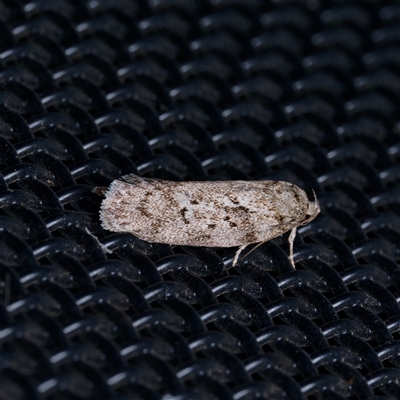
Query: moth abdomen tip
{"points": [[100, 190]]}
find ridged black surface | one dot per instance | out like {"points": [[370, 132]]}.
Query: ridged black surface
{"points": [[302, 91]]}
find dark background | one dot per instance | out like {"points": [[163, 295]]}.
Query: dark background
{"points": [[301, 91]]}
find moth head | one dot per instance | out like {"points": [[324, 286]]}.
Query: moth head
{"points": [[313, 211]]}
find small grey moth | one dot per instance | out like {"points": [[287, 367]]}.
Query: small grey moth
{"points": [[215, 214]]}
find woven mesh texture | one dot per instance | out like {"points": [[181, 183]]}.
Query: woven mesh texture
{"points": [[300, 91]]}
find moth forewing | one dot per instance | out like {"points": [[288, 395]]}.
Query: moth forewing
{"points": [[213, 214]]}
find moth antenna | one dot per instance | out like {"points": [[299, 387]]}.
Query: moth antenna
{"points": [[316, 200]]}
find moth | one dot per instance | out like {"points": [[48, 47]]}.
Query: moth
{"points": [[211, 214]]}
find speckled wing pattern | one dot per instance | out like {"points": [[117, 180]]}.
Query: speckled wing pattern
{"points": [[214, 214]]}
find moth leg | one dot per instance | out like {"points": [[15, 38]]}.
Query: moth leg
{"points": [[291, 241], [103, 247], [241, 248]]}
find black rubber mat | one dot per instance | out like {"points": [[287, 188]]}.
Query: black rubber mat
{"points": [[299, 91]]}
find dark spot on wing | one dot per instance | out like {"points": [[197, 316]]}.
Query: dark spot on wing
{"points": [[232, 225], [183, 211], [240, 211], [212, 226], [251, 237], [234, 200], [194, 202], [143, 211], [280, 218]]}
